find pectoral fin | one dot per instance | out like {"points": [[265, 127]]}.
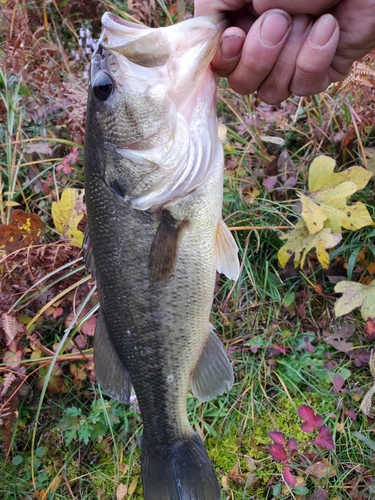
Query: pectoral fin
{"points": [[164, 248], [110, 372], [87, 253], [213, 374], [226, 252]]}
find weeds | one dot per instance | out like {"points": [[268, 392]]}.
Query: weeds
{"points": [[293, 357]]}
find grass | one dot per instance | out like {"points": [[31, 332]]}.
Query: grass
{"points": [[62, 438]]}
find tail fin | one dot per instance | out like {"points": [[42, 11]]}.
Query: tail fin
{"points": [[181, 471]]}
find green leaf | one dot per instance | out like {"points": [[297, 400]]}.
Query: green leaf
{"points": [[355, 295], [301, 490], [39, 452], [17, 460]]}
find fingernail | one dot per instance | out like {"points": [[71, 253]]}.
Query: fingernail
{"points": [[323, 30], [274, 28], [231, 45]]}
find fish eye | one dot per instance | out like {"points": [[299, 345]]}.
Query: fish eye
{"points": [[103, 86]]}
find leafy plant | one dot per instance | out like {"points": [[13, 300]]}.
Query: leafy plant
{"points": [[289, 452], [93, 425]]}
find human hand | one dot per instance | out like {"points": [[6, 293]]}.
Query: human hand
{"points": [[276, 54]]}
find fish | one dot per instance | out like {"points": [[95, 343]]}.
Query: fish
{"points": [[153, 167]]}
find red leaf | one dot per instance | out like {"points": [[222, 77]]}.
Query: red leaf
{"points": [[312, 420], [277, 452], [351, 414], [306, 427], [338, 383], [277, 437], [292, 444], [324, 439], [289, 478], [370, 329]]}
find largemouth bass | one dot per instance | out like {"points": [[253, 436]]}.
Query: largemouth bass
{"points": [[153, 180]]}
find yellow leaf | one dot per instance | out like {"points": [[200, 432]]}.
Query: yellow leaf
{"points": [[133, 486], [326, 205], [322, 175], [355, 295], [300, 242], [67, 213], [312, 214], [11, 203]]}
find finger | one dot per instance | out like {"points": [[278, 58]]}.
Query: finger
{"points": [[261, 48], [292, 7], [229, 53], [275, 88], [207, 7], [315, 57]]}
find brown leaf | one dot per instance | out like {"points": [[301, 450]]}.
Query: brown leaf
{"points": [[318, 494], [338, 339], [318, 470], [24, 231], [39, 147], [11, 327], [121, 491]]}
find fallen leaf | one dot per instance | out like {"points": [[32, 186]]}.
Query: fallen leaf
{"points": [[318, 494], [322, 175], [355, 295], [11, 327], [121, 491], [39, 147], [338, 339], [300, 242], [312, 214], [370, 329], [325, 212], [318, 470], [133, 486], [366, 403], [67, 213], [24, 230]]}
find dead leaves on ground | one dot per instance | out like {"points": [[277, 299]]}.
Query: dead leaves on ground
{"points": [[24, 230], [325, 212]]}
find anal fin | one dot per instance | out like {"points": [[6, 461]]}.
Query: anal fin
{"points": [[226, 252], [213, 374], [110, 372]]}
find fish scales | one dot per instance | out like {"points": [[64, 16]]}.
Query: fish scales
{"points": [[156, 237]]}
